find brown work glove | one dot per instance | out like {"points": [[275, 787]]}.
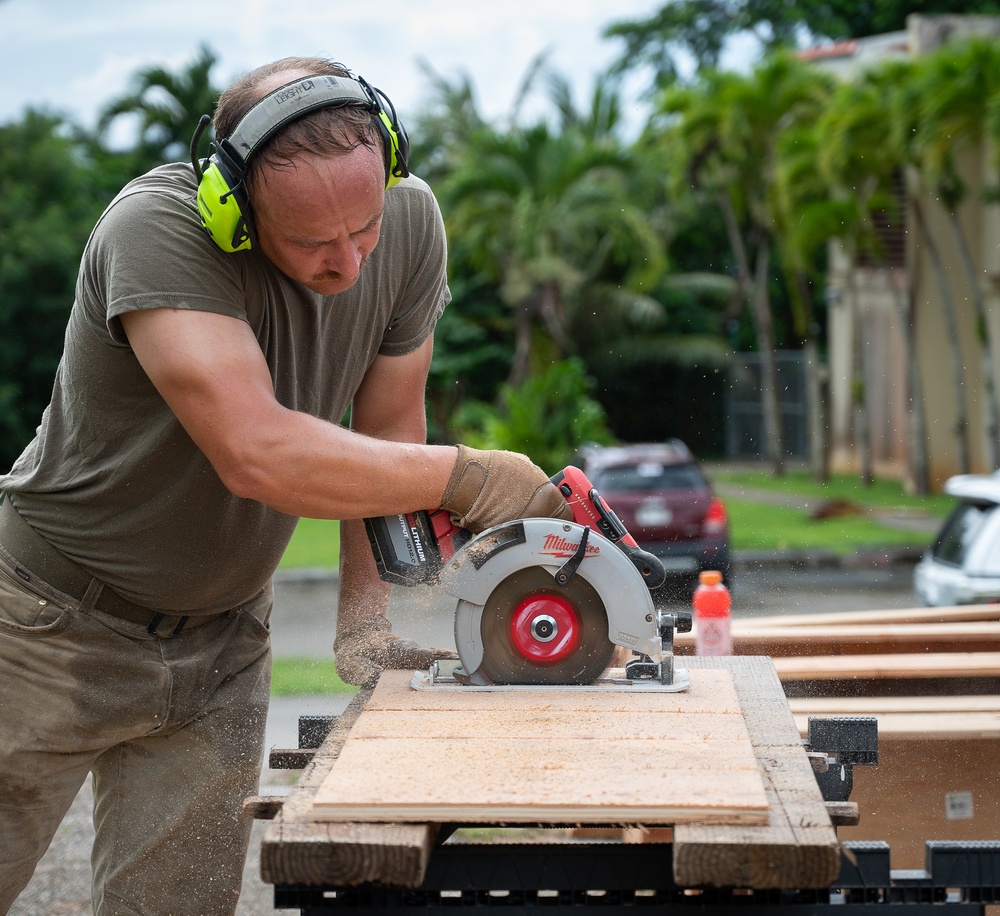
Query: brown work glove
{"points": [[363, 649], [487, 488]]}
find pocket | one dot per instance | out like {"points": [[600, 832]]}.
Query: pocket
{"points": [[27, 606], [256, 613]]}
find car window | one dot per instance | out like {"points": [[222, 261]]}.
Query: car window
{"points": [[647, 477], [960, 531]]}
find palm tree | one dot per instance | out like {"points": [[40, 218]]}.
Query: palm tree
{"points": [[901, 87], [725, 137], [959, 88], [544, 214], [859, 163], [167, 106], [807, 216]]}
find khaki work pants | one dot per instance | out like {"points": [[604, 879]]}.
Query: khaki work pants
{"points": [[171, 728]]}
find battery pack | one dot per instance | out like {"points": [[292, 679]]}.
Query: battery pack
{"points": [[412, 548]]}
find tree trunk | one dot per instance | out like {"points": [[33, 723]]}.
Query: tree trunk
{"points": [[768, 362], [756, 285], [859, 397], [958, 376], [859, 381], [917, 427], [819, 451], [522, 344], [983, 337]]}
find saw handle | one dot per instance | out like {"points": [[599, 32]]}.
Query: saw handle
{"points": [[591, 511]]}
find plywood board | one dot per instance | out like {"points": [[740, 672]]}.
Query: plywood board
{"points": [[552, 756], [931, 664]]}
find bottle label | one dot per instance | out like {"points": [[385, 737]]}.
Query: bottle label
{"points": [[713, 637]]}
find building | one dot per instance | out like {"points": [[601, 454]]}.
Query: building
{"points": [[879, 312]]}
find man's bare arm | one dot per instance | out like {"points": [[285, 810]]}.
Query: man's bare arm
{"points": [[388, 405], [210, 370]]}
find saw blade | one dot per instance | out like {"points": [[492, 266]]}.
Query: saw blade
{"points": [[537, 632]]}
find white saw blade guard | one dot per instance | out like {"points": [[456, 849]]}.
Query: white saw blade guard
{"points": [[549, 544]]}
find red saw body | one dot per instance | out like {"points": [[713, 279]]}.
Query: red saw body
{"points": [[540, 600]]}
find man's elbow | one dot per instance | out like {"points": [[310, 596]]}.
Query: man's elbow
{"points": [[247, 478]]}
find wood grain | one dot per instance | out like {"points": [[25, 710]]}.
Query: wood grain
{"points": [[297, 850], [560, 756], [927, 665], [797, 847]]}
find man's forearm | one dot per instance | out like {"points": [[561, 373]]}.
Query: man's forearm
{"points": [[362, 593]]}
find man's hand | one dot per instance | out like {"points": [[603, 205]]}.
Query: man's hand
{"points": [[490, 487], [363, 649]]}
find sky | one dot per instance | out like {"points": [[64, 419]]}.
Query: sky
{"points": [[73, 56]]}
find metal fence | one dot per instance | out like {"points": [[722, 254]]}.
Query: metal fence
{"points": [[744, 415]]}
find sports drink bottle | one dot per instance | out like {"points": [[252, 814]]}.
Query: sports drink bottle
{"points": [[713, 635]]}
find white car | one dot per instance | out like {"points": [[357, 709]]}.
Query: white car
{"points": [[962, 566]]}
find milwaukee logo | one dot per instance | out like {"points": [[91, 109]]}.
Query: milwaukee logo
{"points": [[558, 546]]}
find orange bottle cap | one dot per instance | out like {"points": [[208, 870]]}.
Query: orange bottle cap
{"points": [[710, 577]]}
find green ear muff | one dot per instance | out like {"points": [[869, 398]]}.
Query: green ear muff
{"points": [[222, 196], [221, 213]]}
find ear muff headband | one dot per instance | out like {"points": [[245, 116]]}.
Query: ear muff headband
{"points": [[222, 194]]}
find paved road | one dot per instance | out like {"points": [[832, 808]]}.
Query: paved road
{"points": [[303, 624]]}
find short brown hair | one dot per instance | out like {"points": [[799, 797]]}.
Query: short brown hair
{"points": [[328, 131]]}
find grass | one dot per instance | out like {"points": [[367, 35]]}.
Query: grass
{"points": [[755, 526], [315, 545], [760, 520], [295, 676], [887, 494]]}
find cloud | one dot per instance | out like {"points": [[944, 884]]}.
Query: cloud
{"points": [[76, 56]]}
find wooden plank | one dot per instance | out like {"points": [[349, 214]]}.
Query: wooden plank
{"points": [[779, 641], [929, 726], [910, 718], [298, 850], [966, 613], [551, 756], [876, 706], [797, 847], [927, 665]]}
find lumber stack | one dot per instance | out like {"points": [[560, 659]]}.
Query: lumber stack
{"points": [[931, 677]]}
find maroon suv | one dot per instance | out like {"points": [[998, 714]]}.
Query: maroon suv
{"points": [[664, 499]]}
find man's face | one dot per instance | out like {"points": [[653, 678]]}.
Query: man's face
{"points": [[318, 219]]}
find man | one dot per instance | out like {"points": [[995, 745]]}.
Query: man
{"points": [[195, 416]]}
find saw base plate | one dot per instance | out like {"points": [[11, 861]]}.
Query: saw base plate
{"points": [[429, 680]]}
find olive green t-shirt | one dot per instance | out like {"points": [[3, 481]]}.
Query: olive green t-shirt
{"points": [[113, 480]]}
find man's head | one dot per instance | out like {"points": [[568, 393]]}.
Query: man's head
{"points": [[325, 132], [309, 151]]}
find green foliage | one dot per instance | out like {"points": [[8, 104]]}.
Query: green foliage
{"points": [[166, 107], [547, 417], [701, 29], [51, 193]]}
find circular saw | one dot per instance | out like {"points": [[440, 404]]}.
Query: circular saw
{"points": [[539, 600]]}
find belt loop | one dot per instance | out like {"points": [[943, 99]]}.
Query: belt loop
{"points": [[157, 619], [90, 596]]}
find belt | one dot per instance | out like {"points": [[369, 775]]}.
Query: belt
{"points": [[55, 569]]}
